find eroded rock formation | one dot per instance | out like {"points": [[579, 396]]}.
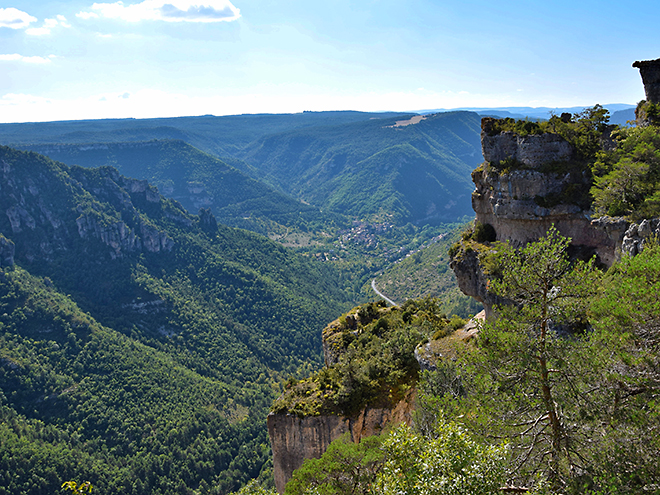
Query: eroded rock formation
{"points": [[295, 439], [650, 72], [523, 201]]}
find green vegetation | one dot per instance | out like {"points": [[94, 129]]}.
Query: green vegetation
{"points": [[374, 171], [618, 169], [345, 468], [346, 163], [558, 373], [627, 179], [585, 130], [556, 395], [140, 347], [371, 350], [197, 179], [447, 462], [426, 273]]}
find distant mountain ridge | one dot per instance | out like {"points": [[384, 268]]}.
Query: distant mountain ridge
{"points": [[349, 163], [416, 172], [217, 135], [531, 112]]}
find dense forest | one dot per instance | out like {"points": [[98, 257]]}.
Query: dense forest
{"points": [[367, 166], [141, 346], [142, 341]]}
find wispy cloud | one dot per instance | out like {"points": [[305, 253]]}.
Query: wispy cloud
{"points": [[15, 57], [49, 24], [15, 19], [166, 10]]}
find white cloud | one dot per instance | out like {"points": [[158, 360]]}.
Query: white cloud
{"points": [[63, 21], [15, 19], [15, 57], [87, 15], [166, 10], [49, 24]]}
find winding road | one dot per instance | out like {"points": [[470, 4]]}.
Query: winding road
{"points": [[380, 294]]}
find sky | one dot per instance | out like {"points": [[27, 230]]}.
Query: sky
{"points": [[76, 59]]}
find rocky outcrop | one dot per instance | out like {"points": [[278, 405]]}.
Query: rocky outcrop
{"points": [[638, 234], [295, 439], [533, 150], [48, 208], [521, 198], [473, 282], [516, 205], [207, 221], [121, 238], [650, 72]]}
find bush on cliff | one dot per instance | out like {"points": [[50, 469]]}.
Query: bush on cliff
{"points": [[375, 365]]}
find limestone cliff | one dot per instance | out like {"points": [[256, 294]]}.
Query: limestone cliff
{"points": [[295, 439], [526, 185], [42, 222], [369, 382]]}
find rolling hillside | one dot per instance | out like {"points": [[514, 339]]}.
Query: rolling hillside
{"points": [[374, 169], [362, 165]]}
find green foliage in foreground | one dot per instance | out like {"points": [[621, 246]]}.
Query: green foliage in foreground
{"points": [[566, 377], [447, 462], [567, 374], [627, 179], [346, 467]]}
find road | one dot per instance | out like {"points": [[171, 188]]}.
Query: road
{"points": [[380, 294]]}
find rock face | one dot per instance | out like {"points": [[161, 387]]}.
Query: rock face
{"points": [[514, 203], [637, 234], [522, 203], [41, 223], [650, 72], [294, 439], [532, 150]]}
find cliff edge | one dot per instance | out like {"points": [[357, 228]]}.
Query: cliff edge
{"points": [[369, 382]]}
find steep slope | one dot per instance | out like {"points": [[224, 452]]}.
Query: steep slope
{"points": [[367, 165], [79, 401], [426, 273], [195, 179], [378, 168], [178, 318]]}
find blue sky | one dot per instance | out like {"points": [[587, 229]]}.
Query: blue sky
{"points": [[64, 60]]}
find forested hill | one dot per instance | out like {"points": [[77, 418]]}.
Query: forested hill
{"points": [[377, 168], [368, 166], [195, 179], [140, 346]]}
